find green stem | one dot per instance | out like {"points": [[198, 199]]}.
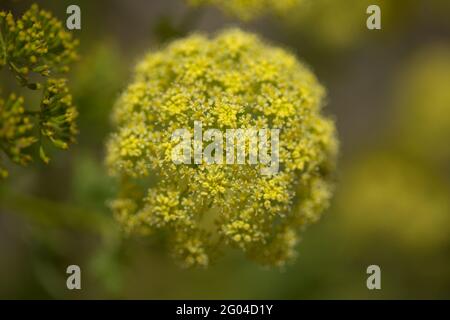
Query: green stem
{"points": [[53, 214], [3, 45]]}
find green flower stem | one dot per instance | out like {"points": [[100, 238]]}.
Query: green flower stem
{"points": [[53, 214], [22, 80], [3, 46]]}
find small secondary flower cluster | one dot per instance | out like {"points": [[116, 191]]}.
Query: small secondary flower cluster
{"points": [[36, 44], [250, 9]]}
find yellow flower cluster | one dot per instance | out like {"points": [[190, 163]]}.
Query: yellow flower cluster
{"points": [[232, 81], [336, 24], [250, 9], [36, 44], [57, 116], [15, 127], [398, 194], [387, 197], [422, 105]]}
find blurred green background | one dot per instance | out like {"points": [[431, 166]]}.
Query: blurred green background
{"points": [[389, 91]]}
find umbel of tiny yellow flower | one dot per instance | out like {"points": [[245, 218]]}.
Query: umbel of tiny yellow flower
{"points": [[15, 135], [57, 116], [250, 9], [36, 45], [422, 105], [234, 80], [388, 197]]}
